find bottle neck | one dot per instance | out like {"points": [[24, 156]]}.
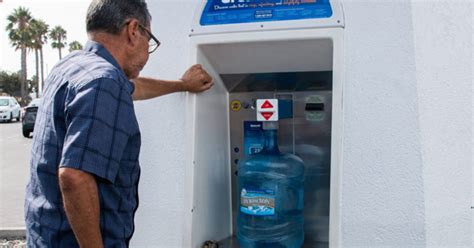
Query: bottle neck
{"points": [[271, 140]]}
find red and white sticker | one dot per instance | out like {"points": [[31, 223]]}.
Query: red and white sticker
{"points": [[267, 110]]}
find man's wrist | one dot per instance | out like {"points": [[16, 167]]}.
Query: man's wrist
{"points": [[182, 85]]}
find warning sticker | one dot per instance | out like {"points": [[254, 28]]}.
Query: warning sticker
{"points": [[235, 105]]}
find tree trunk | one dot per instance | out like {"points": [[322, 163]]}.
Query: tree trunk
{"points": [[38, 88], [23, 73], [42, 69], [59, 47]]}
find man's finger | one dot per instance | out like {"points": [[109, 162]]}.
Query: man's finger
{"points": [[208, 85]]}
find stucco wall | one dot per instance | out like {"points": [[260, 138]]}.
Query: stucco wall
{"points": [[159, 217], [382, 189], [407, 157], [444, 64]]}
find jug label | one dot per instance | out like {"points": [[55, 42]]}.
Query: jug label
{"points": [[253, 137], [257, 202]]}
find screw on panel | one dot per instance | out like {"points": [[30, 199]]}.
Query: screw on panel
{"points": [[338, 21], [261, 26]]}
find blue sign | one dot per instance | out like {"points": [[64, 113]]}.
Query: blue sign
{"points": [[219, 12], [253, 137]]}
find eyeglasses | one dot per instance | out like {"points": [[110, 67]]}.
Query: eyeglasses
{"points": [[153, 42]]}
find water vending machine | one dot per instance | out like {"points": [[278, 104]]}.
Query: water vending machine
{"points": [[287, 51]]}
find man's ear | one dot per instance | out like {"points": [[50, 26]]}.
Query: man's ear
{"points": [[132, 32]]}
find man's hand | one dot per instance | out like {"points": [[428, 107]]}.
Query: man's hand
{"points": [[196, 79]]}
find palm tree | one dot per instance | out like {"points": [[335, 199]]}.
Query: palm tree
{"points": [[58, 36], [39, 37], [32, 45], [75, 45], [18, 29]]}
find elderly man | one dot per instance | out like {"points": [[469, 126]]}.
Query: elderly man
{"points": [[84, 167]]}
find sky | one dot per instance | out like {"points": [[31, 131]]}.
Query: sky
{"points": [[70, 14]]}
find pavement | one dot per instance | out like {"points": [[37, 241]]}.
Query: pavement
{"points": [[14, 170]]}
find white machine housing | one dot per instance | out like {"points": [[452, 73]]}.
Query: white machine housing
{"points": [[281, 46]]}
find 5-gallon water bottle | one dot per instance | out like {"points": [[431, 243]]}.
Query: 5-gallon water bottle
{"points": [[270, 205]]}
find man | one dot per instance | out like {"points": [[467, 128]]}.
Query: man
{"points": [[84, 167]]}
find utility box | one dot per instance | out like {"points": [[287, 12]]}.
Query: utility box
{"points": [[290, 50]]}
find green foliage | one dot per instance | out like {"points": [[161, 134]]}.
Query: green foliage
{"points": [[58, 37], [27, 33], [39, 32], [10, 83], [18, 27], [19, 32], [75, 45], [32, 84]]}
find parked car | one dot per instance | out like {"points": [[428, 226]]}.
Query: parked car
{"points": [[28, 123], [34, 103], [9, 109]]}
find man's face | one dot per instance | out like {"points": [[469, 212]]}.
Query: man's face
{"points": [[139, 55]]}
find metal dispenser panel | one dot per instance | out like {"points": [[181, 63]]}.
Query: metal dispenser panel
{"points": [[307, 134]]}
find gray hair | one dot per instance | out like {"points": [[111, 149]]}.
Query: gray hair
{"points": [[110, 15]]}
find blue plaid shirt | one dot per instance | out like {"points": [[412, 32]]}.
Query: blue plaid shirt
{"points": [[86, 122]]}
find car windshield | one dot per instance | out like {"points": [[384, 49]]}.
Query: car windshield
{"points": [[35, 102], [31, 109], [3, 102]]}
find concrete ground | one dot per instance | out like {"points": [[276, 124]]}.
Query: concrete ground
{"points": [[14, 170]]}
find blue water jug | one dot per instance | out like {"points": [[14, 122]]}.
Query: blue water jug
{"points": [[270, 205]]}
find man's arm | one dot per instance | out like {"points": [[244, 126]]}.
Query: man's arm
{"points": [[81, 202], [195, 80]]}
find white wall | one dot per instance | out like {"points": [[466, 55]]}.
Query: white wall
{"points": [[407, 134], [159, 216], [382, 192], [444, 64]]}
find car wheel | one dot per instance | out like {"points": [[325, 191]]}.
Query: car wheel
{"points": [[11, 117], [26, 134]]}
